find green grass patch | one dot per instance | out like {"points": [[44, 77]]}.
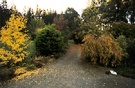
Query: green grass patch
{"points": [[126, 71], [70, 42], [31, 67]]}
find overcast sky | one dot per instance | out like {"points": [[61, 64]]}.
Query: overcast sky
{"points": [[58, 5]]}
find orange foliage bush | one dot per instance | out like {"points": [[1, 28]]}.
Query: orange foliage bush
{"points": [[103, 50]]}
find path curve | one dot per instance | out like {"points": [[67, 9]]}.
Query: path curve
{"points": [[69, 72]]}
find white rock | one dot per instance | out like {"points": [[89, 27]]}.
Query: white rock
{"points": [[113, 72]]}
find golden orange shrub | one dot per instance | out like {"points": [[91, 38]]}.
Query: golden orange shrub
{"points": [[103, 50]]}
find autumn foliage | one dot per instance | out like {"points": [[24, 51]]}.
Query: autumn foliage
{"points": [[13, 42], [103, 50]]}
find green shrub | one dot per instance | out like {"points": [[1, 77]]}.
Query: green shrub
{"points": [[78, 36], [122, 40], [122, 28], [128, 48], [127, 67], [33, 26], [49, 41], [32, 51], [131, 52], [103, 50]]}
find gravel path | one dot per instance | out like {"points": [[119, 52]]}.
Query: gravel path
{"points": [[69, 72]]}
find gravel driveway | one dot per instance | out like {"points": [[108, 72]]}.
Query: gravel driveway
{"points": [[69, 72]]}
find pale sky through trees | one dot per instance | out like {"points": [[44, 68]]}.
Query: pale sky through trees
{"points": [[58, 5]]}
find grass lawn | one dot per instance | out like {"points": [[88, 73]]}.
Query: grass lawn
{"points": [[126, 71]]}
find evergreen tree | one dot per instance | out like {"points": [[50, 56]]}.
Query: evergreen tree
{"points": [[92, 22], [48, 16], [5, 13], [73, 18], [118, 10]]}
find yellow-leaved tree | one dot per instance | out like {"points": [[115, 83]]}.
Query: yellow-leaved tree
{"points": [[13, 46]]}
